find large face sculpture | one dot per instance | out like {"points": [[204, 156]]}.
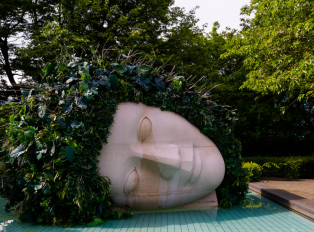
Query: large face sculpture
{"points": [[157, 159]]}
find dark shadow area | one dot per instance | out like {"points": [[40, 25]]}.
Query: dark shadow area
{"points": [[286, 196]]}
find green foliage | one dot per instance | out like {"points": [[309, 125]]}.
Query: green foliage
{"points": [[58, 129], [5, 111], [254, 171], [278, 47], [261, 127], [149, 28], [19, 21], [285, 167]]}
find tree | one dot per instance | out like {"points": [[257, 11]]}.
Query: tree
{"points": [[261, 127], [12, 21], [141, 26], [278, 47], [19, 20]]}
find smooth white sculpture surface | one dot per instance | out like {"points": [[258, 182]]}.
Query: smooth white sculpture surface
{"points": [[157, 159]]}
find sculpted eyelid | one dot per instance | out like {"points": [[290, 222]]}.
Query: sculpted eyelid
{"points": [[131, 182], [145, 129]]}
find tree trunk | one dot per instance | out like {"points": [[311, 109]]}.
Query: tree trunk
{"points": [[7, 66]]}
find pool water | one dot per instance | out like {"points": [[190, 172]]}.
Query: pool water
{"points": [[255, 214]]}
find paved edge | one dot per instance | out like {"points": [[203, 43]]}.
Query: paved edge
{"points": [[300, 204]]}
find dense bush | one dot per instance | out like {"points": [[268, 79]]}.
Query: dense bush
{"points": [[59, 127], [288, 167], [254, 171]]}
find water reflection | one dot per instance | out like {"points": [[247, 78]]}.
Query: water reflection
{"points": [[253, 202]]}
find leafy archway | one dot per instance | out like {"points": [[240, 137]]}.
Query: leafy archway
{"points": [[58, 129]]}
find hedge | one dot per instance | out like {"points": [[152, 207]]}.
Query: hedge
{"points": [[289, 167]]}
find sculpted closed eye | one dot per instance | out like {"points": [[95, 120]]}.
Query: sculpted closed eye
{"points": [[131, 182], [145, 129]]}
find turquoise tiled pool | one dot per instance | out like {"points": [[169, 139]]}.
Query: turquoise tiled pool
{"points": [[256, 214]]}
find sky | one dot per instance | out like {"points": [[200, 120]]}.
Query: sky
{"points": [[226, 12]]}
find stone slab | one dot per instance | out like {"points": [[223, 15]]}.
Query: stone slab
{"points": [[290, 200], [209, 202], [301, 187]]}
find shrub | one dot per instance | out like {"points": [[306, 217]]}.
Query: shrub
{"points": [[287, 167], [59, 128], [254, 171]]}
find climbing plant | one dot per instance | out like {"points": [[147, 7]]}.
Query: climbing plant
{"points": [[56, 132]]}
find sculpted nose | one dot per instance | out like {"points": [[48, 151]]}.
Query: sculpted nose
{"points": [[168, 159], [165, 155]]}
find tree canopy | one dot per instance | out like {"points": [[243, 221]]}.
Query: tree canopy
{"points": [[261, 127], [278, 47]]}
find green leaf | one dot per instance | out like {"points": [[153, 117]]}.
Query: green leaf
{"points": [[81, 103], [71, 79], [25, 93], [113, 80], [122, 70], [84, 86], [12, 118], [33, 167], [72, 64], [75, 124], [46, 190], [69, 153], [48, 175], [24, 109], [159, 83], [48, 69], [144, 67], [62, 122], [53, 149], [29, 134], [46, 121], [39, 185], [39, 145], [67, 107], [94, 91], [39, 156], [42, 110], [18, 151]]}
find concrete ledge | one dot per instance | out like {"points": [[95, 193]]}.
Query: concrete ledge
{"points": [[292, 201]]}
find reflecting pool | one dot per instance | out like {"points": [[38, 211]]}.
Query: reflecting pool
{"points": [[255, 214]]}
